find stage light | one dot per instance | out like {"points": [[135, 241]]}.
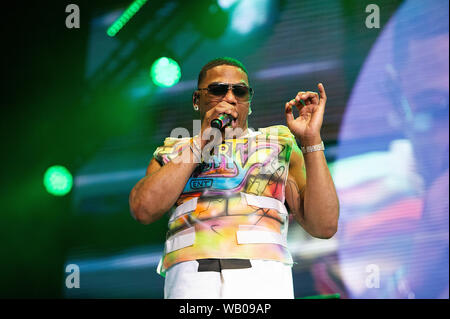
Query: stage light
{"points": [[249, 15], [165, 72], [58, 180], [125, 17], [225, 4]]}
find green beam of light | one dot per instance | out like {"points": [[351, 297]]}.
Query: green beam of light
{"points": [[58, 180], [125, 17]]}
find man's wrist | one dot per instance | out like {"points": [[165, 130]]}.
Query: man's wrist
{"points": [[311, 144], [309, 140], [312, 148]]}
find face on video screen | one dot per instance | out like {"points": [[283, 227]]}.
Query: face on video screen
{"points": [[395, 211]]}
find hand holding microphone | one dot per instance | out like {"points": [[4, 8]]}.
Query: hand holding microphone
{"points": [[218, 117], [222, 121]]}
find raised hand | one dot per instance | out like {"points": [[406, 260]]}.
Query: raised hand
{"points": [[306, 127]]}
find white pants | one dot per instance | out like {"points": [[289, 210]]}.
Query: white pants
{"points": [[264, 280]]}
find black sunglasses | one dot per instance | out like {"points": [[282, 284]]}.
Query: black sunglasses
{"points": [[241, 91]]}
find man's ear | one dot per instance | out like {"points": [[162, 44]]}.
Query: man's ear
{"points": [[195, 99]]}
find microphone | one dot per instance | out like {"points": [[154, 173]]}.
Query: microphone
{"points": [[221, 121]]}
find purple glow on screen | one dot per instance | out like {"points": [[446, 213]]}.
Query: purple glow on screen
{"points": [[394, 226]]}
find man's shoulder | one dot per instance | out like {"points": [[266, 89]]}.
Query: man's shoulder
{"points": [[277, 130], [174, 141], [284, 133], [170, 148]]}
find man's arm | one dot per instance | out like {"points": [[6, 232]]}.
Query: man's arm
{"points": [[313, 201], [158, 191]]}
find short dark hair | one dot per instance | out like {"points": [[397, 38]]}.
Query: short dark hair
{"points": [[219, 61]]}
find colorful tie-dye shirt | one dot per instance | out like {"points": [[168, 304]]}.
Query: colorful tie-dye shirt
{"points": [[232, 206]]}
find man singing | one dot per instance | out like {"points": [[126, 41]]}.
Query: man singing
{"points": [[227, 191]]}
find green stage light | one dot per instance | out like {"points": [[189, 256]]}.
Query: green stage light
{"points": [[125, 17], [58, 180], [165, 72]]}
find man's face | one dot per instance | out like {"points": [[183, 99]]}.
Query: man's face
{"points": [[224, 74], [425, 84]]}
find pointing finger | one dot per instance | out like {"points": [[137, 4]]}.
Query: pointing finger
{"points": [[323, 95]]}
